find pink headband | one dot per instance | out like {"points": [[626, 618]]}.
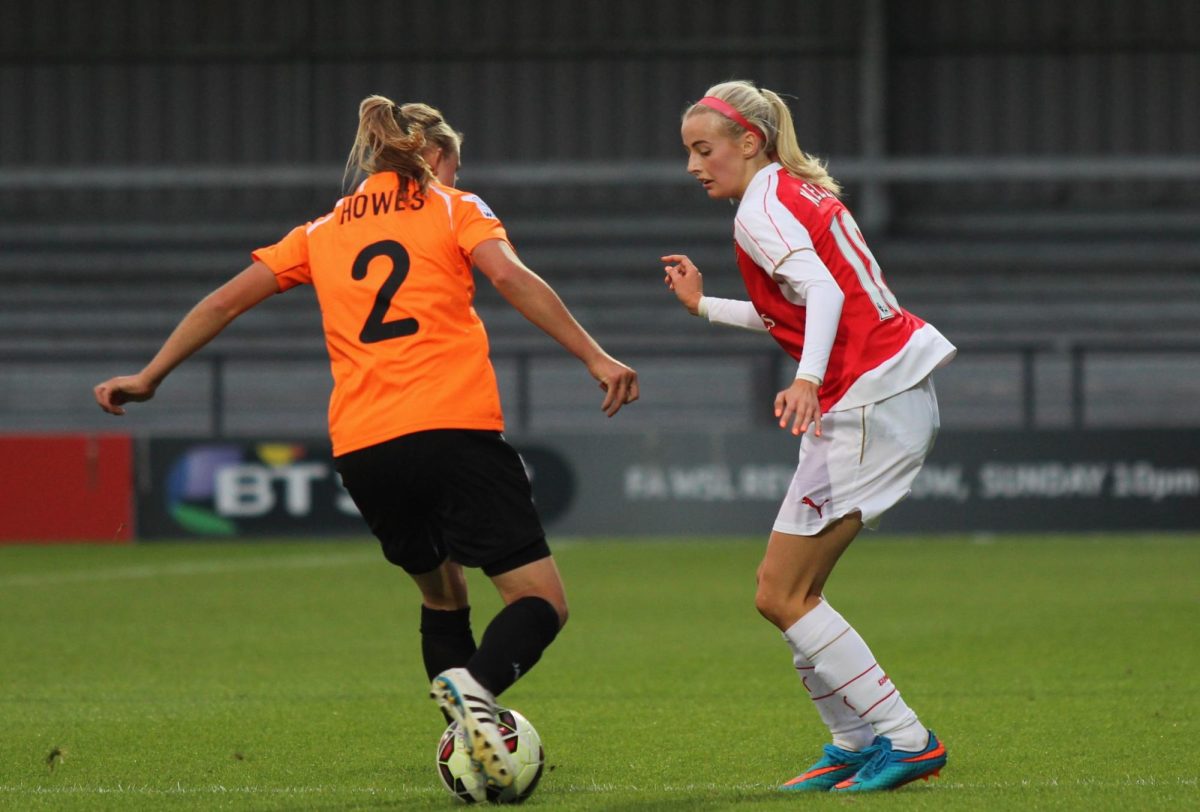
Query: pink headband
{"points": [[730, 112]]}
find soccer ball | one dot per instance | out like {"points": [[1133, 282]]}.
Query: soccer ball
{"points": [[454, 761]]}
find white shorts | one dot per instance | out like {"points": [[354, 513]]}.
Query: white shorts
{"points": [[864, 461]]}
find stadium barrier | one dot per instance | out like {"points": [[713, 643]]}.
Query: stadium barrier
{"points": [[701, 484], [66, 487]]}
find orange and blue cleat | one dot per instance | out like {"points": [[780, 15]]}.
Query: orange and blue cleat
{"points": [[834, 766], [889, 769]]}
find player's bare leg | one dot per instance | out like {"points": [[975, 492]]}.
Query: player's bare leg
{"points": [[444, 588], [538, 579], [794, 570], [853, 693]]}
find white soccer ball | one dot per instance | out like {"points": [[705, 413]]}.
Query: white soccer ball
{"points": [[522, 740]]}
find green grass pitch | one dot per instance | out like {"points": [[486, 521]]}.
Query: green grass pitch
{"points": [[1059, 670]]}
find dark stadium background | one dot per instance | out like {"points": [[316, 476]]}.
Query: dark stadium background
{"points": [[1026, 172]]}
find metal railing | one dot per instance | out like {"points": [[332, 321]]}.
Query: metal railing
{"points": [[858, 169], [875, 172], [771, 365]]}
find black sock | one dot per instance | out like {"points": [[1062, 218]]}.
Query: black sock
{"points": [[513, 642], [446, 639]]}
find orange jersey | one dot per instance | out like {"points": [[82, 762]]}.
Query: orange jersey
{"points": [[391, 266]]}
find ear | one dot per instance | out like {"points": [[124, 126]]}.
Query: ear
{"points": [[751, 145]]}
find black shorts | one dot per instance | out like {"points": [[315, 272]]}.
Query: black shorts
{"points": [[448, 493]]}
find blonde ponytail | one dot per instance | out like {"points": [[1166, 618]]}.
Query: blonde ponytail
{"points": [[767, 111], [388, 141], [437, 131], [788, 152]]}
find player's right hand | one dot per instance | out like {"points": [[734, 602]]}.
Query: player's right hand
{"points": [[799, 404], [685, 279], [116, 392], [619, 382]]}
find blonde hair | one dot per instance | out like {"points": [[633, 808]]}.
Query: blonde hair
{"points": [[768, 112], [395, 138]]}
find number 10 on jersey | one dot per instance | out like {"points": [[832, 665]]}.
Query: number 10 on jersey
{"points": [[850, 242]]}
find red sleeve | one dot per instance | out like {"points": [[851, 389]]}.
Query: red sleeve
{"points": [[288, 259], [474, 223]]}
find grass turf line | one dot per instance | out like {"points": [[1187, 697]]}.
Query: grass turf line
{"points": [[286, 675]]}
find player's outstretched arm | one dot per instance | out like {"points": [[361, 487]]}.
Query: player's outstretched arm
{"points": [[208, 318], [684, 279], [534, 299]]}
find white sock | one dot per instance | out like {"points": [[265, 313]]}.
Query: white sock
{"points": [[844, 663], [848, 730]]}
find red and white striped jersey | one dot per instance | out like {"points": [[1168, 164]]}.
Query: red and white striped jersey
{"points": [[880, 349]]}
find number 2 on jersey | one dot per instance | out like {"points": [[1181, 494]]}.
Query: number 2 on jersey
{"points": [[854, 248], [375, 328]]}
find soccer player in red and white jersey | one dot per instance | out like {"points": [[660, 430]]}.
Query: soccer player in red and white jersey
{"points": [[414, 415], [862, 403]]}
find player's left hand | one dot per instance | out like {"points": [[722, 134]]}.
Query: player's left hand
{"points": [[619, 382], [116, 392], [799, 404]]}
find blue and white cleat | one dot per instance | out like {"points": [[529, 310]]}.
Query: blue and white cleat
{"points": [[889, 769], [835, 766], [467, 702]]}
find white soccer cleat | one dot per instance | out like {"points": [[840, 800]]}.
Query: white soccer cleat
{"points": [[473, 707]]}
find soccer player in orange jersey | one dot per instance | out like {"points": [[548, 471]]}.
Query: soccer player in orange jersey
{"points": [[414, 415], [862, 403]]}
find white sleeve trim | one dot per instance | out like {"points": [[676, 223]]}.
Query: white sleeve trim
{"points": [[805, 280], [732, 313]]}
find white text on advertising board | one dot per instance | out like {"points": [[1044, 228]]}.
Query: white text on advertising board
{"points": [[718, 482], [251, 489]]}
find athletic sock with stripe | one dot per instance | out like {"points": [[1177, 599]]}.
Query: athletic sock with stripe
{"points": [[843, 662], [848, 730]]}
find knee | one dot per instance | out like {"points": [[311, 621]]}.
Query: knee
{"points": [[782, 606], [548, 609], [544, 605], [558, 603], [769, 601]]}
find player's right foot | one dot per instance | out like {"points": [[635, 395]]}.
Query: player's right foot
{"points": [[835, 765], [473, 707], [890, 769]]}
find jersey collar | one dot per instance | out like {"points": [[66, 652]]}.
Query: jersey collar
{"points": [[760, 177]]}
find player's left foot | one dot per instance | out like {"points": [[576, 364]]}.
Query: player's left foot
{"points": [[889, 769]]}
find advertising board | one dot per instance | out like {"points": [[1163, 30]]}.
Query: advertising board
{"points": [[703, 484]]}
